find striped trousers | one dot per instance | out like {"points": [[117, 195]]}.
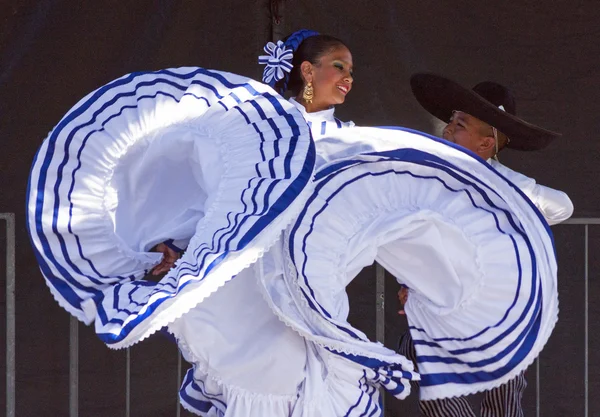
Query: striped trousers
{"points": [[503, 401]]}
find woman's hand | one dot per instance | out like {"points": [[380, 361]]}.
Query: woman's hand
{"points": [[168, 260]]}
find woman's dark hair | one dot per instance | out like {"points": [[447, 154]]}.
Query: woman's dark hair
{"points": [[311, 49]]}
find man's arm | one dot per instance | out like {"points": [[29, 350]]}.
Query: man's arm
{"points": [[555, 205]]}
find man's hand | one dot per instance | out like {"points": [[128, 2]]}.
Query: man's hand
{"points": [[168, 260], [403, 298]]}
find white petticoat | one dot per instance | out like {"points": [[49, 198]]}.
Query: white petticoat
{"points": [[248, 363], [187, 154]]}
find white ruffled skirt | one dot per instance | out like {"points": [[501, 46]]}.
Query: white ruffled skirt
{"points": [[475, 252], [190, 154]]}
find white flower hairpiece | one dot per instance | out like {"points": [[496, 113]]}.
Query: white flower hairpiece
{"points": [[278, 60]]}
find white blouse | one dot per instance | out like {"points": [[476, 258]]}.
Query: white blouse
{"points": [[321, 123], [323, 127]]}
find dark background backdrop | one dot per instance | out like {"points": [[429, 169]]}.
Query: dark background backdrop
{"points": [[54, 52]]}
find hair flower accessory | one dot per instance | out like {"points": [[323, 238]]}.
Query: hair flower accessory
{"points": [[278, 60]]}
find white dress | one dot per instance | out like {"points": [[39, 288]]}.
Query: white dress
{"points": [[226, 163], [247, 362]]}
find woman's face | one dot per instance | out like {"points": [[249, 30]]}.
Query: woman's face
{"points": [[331, 78]]}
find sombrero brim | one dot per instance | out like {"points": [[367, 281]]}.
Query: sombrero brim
{"points": [[441, 96]]}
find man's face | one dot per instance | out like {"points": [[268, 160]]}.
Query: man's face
{"points": [[468, 132]]}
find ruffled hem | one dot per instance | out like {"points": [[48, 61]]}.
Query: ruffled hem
{"points": [[347, 390], [381, 366], [195, 294], [246, 359], [205, 395], [428, 394]]}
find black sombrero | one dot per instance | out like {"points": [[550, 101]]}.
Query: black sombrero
{"points": [[441, 96]]}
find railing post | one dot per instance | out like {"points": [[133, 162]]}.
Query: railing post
{"points": [[586, 319], [9, 218], [73, 367], [379, 303], [537, 388], [128, 382], [178, 413], [380, 316]]}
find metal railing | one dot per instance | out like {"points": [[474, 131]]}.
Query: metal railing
{"points": [[9, 219], [74, 374], [586, 222]]}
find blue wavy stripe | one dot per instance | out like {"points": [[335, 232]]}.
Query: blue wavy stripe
{"points": [[286, 198], [275, 147], [487, 166], [292, 189], [529, 328], [321, 184], [428, 380], [371, 390], [199, 405], [399, 389], [275, 209], [395, 153], [360, 385], [287, 168], [377, 410], [65, 290], [261, 147], [52, 139], [296, 131]]}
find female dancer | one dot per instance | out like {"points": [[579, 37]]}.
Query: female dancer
{"points": [[245, 360]]}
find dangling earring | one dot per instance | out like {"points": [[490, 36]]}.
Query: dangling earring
{"points": [[308, 93]]}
